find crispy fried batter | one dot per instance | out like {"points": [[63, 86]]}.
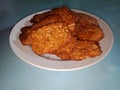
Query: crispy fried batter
{"points": [[50, 19], [81, 20], [64, 52], [76, 18], [91, 33], [49, 38], [28, 29], [86, 19], [25, 32], [38, 17], [64, 13], [78, 50], [65, 33], [85, 49]]}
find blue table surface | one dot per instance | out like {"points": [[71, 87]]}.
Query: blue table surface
{"points": [[15, 74]]}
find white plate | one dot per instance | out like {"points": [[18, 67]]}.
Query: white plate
{"points": [[48, 61]]}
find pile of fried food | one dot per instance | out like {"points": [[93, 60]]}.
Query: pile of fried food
{"points": [[64, 33]]}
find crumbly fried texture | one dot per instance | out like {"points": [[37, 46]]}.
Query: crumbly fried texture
{"points": [[81, 20], [50, 19], [23, 36], [64, 33], [63, 13], [49, 38], [90, 32], [87, 27], [79, 50], [38, 17], [28, 29], [85, 19], [66, 14], [85, 49], [64, 52]]}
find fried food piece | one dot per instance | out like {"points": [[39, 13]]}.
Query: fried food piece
{"points": [[38, 17], [50, 19], [48, 38], [64, 51], [91, 33], [64, 13], [85, 49], [81, 20], [86, 19], [76, 18], [25, 32], [78, 50]]}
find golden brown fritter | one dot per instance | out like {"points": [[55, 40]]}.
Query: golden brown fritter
{"points": [[49, 38], [81, 20], [64, 13], [91, 33], [85, 49], [28, 29], [78, 50]]}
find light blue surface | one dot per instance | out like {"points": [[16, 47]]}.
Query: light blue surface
{"points": [[15, 74]]}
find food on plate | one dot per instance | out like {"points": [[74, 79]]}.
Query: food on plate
{"points": [[62, 13], [64, 33], [85, 49], [48, 38], [39, 17], [78, 50], [49, 19], [23, 36], [90, 32], [64, 52], [85, 19]]}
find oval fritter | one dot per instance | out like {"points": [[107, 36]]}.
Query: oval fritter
{"points": [[63, 12], [87, 19], [49, 38], [85, 49], [91, 33]]}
